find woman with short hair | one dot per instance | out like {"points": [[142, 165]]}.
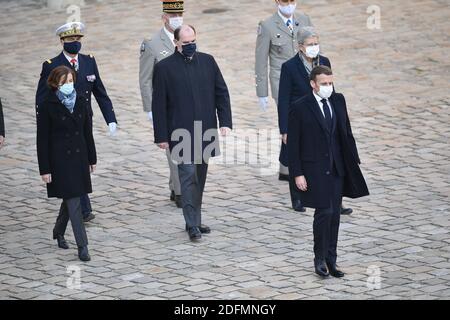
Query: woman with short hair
{"points": [[66, 153]]}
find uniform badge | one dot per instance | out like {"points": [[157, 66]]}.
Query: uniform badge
{"points": [[164, 53], [91, 78], [259, 31], [142, 48]]}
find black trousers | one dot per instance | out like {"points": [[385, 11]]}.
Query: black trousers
{"points": [[326, 225], [192, 180], [71, 209], [86, 208]]}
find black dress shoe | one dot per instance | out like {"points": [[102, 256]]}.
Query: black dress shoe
{"points": [[321, 269], [83, 254], [297, 206], [194, 234], [89, 217], [61, 242], [178, 202], [334, 271], [283, 177], [203, 229], [172, 196], [346, 211]]}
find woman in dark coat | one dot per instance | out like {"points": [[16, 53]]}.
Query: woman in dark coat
{"points": [[66, 153]]}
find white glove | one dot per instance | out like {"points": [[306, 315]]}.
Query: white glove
{"points": [[263, 103], [112, 129], [150, 116]]}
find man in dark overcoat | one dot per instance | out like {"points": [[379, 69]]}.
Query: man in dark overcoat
{"points": [[324, 160], [189, 95]]}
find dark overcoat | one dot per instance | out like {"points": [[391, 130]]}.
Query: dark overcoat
{"points": [[65, 147], [188, 95], [309, 151]]}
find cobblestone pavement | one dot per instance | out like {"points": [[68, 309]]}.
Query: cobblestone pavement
{"points": [[396, 81]]}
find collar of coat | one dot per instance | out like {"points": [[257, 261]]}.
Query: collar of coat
{"points": [[53, 99], [315, 108]]}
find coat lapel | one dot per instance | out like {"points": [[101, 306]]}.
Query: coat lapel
{"points": [[166, 41], [334, 118], [63, 60], [54, 98], [296, 25], [338, 119], [280, 24], [334, 114], [81, 67], [302, 69], [315, 108]]}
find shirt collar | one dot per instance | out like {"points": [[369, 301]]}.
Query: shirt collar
{"points": [[69, 58], [170, 35], [318, 98], [284, 18]]}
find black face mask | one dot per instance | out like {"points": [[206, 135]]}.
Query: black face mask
{"points": [[72, 47], [189, 49]]}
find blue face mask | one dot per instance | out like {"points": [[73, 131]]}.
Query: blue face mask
{"points": [[72, 47], [189, 49], [66, 89]]}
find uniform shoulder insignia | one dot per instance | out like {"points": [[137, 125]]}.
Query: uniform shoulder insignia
{"points": [[92, 56], [143, 47], [49, 61]]}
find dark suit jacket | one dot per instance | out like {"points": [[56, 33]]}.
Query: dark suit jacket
{"points": [[311, 145], [88, 82], [65, 147], [2, 121], [186, 92], [294, 84]]}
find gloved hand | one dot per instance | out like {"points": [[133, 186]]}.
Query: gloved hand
{"points": [[263, 103], [150, 116], [112, 129]]}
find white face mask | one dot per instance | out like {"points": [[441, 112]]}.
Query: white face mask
{"points": [[287, 10], [312, 51], [175, 22], [325, 91]]}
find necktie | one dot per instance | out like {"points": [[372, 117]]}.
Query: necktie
{"points": [[326, 111], [289, 25], [73, 62]]}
